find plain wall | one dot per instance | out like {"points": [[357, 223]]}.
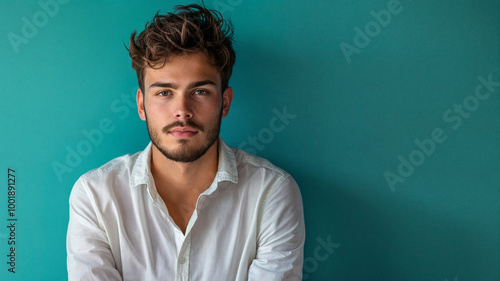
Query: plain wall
{"points": [[390, 127]]}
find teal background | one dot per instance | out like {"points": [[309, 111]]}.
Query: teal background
{"points": [[352, 121]]}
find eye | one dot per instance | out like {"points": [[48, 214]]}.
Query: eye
{"points": [[164, 93], [200, 92]]}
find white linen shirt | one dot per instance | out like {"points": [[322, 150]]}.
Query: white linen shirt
{"points": [[248, 225]]}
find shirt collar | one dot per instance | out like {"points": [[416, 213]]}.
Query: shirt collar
{"points": [[141, 172], [226, 171]]}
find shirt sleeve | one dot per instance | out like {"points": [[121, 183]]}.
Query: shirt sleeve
{"points": [[89, 254], [280, 241]]}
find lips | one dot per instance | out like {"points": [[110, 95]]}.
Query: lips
{"points": [[184, 129], [183, 132]]}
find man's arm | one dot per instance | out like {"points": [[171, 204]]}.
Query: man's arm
{"points": [[89, 254], [280, 249]]}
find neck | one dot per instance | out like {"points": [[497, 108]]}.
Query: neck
{"points": [[193, 177]]}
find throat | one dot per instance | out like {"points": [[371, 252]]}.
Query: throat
{"points": [[181, 213], [181, 201]]}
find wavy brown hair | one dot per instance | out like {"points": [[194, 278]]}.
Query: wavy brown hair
{"points": [[191, 29]]}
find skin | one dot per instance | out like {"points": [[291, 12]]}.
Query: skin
{"points": [[186, 90]]}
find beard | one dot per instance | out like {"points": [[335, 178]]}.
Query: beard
{"points": [[186, 153]]}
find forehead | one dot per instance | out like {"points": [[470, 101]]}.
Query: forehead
{"points": [[183, 70]]}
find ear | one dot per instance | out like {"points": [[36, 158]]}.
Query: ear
{"points": [[227, 98], [140, 105]]}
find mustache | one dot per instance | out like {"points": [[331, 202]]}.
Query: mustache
{"points": [[182, 124]]}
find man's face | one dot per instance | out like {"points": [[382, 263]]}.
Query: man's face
{"points": [[183, 105]]}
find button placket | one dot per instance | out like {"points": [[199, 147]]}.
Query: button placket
{"points": [[183, 260]]}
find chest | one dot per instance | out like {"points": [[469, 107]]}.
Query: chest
{"points": [[181, 212], [148, 243]]}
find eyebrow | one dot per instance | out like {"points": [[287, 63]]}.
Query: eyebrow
{"points": [[190, 86]]}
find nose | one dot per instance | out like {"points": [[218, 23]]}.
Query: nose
{"points": [[182, 108]]}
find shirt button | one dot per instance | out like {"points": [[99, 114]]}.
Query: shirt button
{"points": [[182, 260]]}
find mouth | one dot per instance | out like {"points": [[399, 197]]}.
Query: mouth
{"points": [[183, 132]]}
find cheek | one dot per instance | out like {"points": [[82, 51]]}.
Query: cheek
{"points": [[207, 108], [157, 111], [217, 107], [212, 114], [155, 118]]}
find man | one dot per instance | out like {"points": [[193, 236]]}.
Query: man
{"points": [[188, 207]]}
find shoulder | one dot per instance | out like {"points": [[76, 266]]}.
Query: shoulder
{"points": [[280, 202], [250, 161], [119, 165], [257, 169], [114, 174]]}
